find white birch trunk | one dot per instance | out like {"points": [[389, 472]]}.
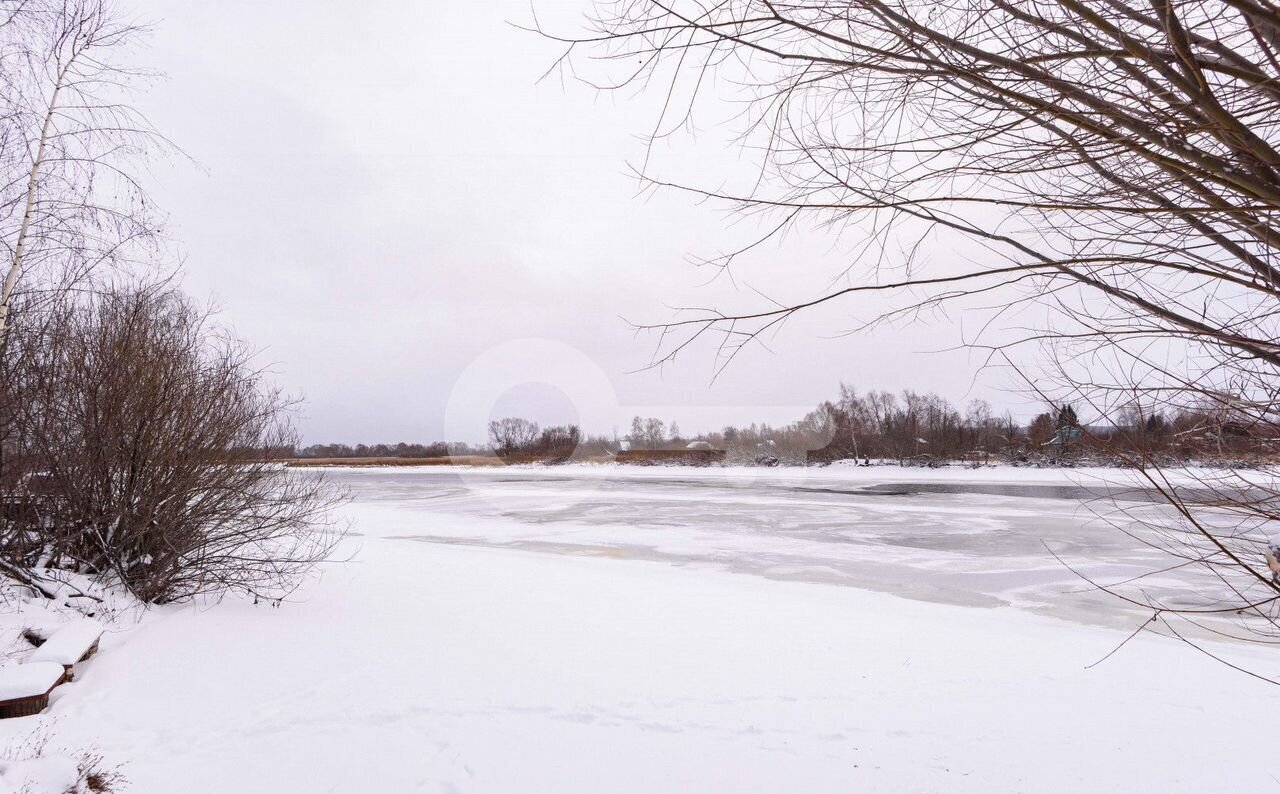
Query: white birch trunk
{"points": [[33, 180]]}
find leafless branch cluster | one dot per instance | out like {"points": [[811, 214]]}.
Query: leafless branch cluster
{"points": [[1125, 149], [138, 452]]}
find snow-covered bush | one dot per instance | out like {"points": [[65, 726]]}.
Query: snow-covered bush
{"points": [[139, 451]]}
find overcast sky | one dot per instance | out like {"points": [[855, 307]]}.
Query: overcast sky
{"points": [[385, 200]]}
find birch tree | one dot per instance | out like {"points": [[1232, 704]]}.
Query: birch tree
{"points": [[69, 143]]}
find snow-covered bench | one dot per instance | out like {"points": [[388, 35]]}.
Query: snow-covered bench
{"points": [[74, 642], [25, 688]]}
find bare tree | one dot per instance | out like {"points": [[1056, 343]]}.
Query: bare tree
{"points": [[1040, 431], [558, 444], [142, 455], [69, 141], [655, 432], [637, 432], [1118, 163], [512, 434]]}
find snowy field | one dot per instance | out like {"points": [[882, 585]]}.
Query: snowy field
{"points": [[599, 629]]}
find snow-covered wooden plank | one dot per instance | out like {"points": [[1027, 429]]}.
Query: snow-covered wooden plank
{"points": [[30, 678], [25, 688], [69, 644]]}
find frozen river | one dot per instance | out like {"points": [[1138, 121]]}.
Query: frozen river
{"points": [[973, 538]]}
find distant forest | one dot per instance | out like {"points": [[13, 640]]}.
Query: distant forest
{"points": [[905, 427]]}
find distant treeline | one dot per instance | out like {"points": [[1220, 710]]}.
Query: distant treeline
{"points": [[401, 450], [551, 441], [924, 427], [908, 427]]}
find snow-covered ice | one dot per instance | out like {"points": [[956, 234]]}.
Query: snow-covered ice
{"points": [[581, 630], [984, 537]]}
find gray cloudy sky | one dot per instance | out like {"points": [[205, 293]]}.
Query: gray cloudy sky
{"points": [[386, 201]]}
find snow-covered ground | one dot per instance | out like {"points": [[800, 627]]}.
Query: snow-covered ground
{"points": [[584, 630]]}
